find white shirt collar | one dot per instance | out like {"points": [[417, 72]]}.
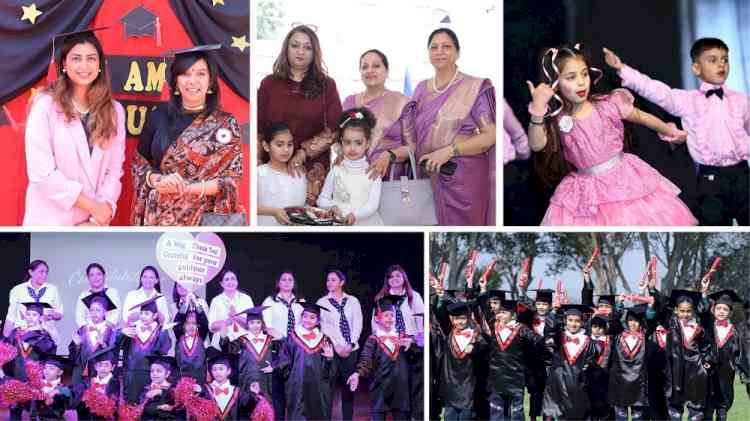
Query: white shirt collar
{"points": [[356, 164]]}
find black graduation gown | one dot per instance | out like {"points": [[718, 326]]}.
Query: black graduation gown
{"points": [[250, 363], [656, 363], [239, 407], [55, 411], [191, 359], [457, 371], [80, 354], [389, 371], [731, 358], [151, 411], [309, 377], [508, 359], [536, 373], [112, 390], [628, 371], [30, 346], [437, 340], [566, 394], [686, 378], [137, 369]]}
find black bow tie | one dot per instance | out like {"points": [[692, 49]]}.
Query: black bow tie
{"points": [[718, 92]]}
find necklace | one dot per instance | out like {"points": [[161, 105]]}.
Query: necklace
{"points": [[197, 108], [78, 110], [434, 84]]}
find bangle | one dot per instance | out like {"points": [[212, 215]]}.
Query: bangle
{"points": [[454, 150], [538, 123], [148, 179]]}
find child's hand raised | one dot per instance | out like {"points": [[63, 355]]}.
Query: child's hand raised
{"points": [[540, 96], [328, 350], [353, 381], [612, 59]]}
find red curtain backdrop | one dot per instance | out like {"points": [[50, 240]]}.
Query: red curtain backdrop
{"points": [[13, 180]]}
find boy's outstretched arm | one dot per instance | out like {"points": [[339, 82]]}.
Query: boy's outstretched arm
{"points": [[673, 101]]}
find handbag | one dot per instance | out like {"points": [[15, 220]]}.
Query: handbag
{"points": [[213, 219], [407, 201]]}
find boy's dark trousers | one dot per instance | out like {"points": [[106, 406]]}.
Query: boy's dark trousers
{"points": [[723, 194]]}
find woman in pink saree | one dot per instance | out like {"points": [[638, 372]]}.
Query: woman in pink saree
{"points": [[386, 146], [454, 120]]}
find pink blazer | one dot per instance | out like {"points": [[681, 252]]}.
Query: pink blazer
{"points": [[60, 166]]}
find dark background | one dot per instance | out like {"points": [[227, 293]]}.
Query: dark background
{"points": [[259, 259], [645, 34]]}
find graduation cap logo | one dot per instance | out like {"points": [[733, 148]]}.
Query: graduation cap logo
{"points": [[142, 22]]}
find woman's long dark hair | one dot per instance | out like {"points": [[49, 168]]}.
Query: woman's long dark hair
{"points": [[315, 81], [386, 287], [550, 162], [32, 267], [276, 290], [157, 287], [180, 65], [102, 122]]}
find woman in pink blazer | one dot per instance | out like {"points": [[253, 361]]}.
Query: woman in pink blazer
{"points": [[75, 141]]}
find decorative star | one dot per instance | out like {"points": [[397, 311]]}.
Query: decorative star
{"points": [[30, 13], [215, 2], [240, 42]]}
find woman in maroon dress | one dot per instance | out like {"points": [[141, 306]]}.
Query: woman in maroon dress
{"points": [[300, 94]]}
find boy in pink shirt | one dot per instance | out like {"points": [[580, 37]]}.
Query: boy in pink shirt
{"points": [[717, 120]]}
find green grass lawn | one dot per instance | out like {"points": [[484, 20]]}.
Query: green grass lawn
{"points": [[741, 409]]}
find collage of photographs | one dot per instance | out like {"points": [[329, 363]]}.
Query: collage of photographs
{"points": [[263, 210]]}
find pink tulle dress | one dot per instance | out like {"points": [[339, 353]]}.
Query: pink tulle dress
{"points": [[611, 187]]}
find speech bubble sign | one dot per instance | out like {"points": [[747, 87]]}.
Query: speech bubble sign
{"points": [[191, 260]]}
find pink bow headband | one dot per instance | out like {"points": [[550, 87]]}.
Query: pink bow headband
{"points": [[556, 80]]}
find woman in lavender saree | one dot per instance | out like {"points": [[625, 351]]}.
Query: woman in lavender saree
{"points": [[386, 146], [453, 117]]}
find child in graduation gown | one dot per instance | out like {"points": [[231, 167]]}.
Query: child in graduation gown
{"points": [[566, 394], [540, 323], [232, 402], [190, 331], [102, 381], [456, 355], [97, 334], [57, 396], [730, 355], [513, 346], [144, 338], [384, 360], [32, 344], [628, 365], [600, 329], [307, 359], [656, 361], [254, 353], [157, 397], [689, 353]]}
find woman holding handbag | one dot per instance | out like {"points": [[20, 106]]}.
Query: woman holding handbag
{"points": [[188, 165], [453, 117], [300, 93]]}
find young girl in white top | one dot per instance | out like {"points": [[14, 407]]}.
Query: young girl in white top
{"points": [[277, 189], [348, 191]]}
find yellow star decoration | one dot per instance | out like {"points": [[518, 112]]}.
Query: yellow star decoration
{"points": [[240, 42], [215, 2], [30, 13]]}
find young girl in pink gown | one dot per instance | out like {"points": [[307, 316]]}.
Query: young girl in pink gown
{"points": [[581, 142]]}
